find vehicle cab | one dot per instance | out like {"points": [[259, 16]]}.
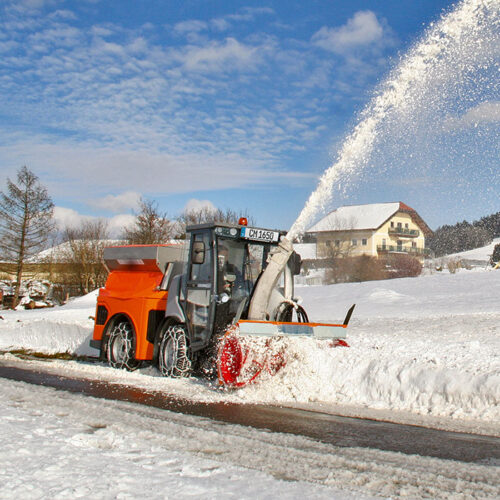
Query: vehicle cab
{"points": [[225, 262]]}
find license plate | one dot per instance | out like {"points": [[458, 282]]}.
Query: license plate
{"points": [[252, 233]]}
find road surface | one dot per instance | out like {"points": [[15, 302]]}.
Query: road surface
{"points": [[325, 428]]}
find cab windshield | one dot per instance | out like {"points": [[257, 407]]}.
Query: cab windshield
{"points": [[239, 265]]}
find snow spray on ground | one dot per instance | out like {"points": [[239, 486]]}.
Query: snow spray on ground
{"points": [[453, 67]]}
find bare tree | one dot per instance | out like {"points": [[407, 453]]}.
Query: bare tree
{"points": [[211, 215], [26, 221], [150, 227], [83, 255]]}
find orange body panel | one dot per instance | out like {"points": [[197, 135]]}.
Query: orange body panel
{"points": [[134, 294]]}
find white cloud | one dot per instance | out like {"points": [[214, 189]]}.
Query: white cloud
{"points": [[194, 205], [246, 14], [73, 170], [118, 222], [101, 31], [249, 13], [220, 24], [192, 26], [67, 217], [128, 200], [482, 114], [34, 4], [363, 29], [216, 56]]}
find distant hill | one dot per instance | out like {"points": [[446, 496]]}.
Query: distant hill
{"points": [[480, 254]]}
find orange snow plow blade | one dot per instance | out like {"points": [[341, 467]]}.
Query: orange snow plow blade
{"points": [[252, 348]]}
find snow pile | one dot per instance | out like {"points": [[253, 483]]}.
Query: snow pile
{"points": [[61, 329]]}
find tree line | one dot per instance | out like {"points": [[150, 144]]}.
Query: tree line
{"points": [[27, 226], [464, 235]]}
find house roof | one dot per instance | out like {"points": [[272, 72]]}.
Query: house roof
{"points": [[363, 217], [305, 250], [59, 253]]}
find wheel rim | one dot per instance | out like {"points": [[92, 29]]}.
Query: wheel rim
{"points": [[119, 349], [169, 354]]}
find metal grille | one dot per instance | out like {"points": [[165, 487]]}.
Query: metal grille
{"points": [[102, 315]]}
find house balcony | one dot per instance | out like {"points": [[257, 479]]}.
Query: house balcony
{"points": [[402, 231], [417, 252]]}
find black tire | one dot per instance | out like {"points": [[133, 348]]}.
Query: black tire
{"points": [[173, 355], [120, 347]]}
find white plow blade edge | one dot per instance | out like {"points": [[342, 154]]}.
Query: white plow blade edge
{"points": [[274, 329]]}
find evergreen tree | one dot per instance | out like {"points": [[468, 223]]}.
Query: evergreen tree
{"points": [[462, 236], [26, 221], [491, 223]]}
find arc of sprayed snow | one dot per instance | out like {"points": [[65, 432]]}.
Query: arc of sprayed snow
{"points": [[395, 92]]}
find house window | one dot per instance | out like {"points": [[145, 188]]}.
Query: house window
{"points": [[364, 241], [400, 246], [392, 223], [328, 243], [400, 225], [337, 243], [354, 242], [414, 244], [406, 225]]}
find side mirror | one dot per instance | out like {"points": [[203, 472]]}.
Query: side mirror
{"points": [[198, 252], [295, 263]]}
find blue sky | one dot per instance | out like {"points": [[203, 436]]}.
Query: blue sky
{"points": [[237, 104]]}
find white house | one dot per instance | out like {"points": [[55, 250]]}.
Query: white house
{"points": [[374, 229]]}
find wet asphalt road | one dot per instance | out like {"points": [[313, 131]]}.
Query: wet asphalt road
{"points": [[326, 428]]}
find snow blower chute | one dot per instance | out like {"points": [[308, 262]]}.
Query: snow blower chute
{"points": [[223, 300]]}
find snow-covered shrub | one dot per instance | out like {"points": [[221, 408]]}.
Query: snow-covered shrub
{"points": [[354, 269], [403, 266], [453, 265]]}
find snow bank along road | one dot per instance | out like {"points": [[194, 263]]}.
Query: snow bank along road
{"points": [[65, 445]]}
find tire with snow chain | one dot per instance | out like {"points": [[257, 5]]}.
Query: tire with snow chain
{"points": [[120, 347], [173, 356]]}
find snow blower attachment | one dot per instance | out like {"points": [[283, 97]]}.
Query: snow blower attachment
{"points": [[223, 300]]}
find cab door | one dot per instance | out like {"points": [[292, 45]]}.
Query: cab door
{"points": [[199, 306]]}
